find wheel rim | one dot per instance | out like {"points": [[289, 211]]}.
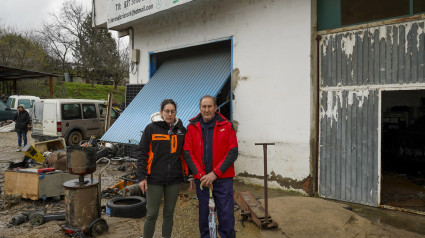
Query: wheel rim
{"points": [[75, 138]]}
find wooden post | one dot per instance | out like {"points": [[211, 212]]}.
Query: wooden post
{"points": [[108, 112], [51, 86], [14, 87]]}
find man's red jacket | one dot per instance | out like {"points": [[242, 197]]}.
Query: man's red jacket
{"points": [[225, 148]]}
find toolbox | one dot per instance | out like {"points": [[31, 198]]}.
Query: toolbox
{"points": [[34, 185]]}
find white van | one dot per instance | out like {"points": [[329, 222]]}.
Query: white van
{"points": [[15, 100], [71, 119]]}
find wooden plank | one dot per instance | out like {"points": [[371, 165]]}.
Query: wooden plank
{"points": [[25, 184]]}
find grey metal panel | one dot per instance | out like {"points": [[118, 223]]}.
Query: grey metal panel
{"points": [[348, 145], [184, 79], [379, 55], [421, 55]]}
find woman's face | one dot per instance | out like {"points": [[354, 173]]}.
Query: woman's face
{"points": [[169, 113]]}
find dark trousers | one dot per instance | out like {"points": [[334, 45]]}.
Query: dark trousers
{"points": [[224, 204], [22, 135], [153, 201]]}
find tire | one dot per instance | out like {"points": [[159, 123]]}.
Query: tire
{"points": [[103, 152], [74, 138], [129, 207]]}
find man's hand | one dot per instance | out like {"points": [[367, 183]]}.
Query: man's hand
{"points": [[192, 185], [208, 179], [143, 185]]}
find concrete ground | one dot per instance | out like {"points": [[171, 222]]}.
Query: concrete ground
{"points": [[296, 215]]}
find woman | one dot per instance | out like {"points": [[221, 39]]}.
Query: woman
{"points": [[161, 168], [22, 118]]}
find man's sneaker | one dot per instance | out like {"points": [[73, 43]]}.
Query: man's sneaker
{"points": [[19, 149]]}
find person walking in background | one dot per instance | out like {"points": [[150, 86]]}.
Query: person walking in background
{"points": [[161, 167], [210, 150], [22, 118]]}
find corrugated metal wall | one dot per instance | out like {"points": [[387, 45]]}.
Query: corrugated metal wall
{"points": [[354, 66], [348, 146], [380, 55]]}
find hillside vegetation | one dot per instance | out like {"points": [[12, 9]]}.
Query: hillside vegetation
{"points": [[71, 90]]}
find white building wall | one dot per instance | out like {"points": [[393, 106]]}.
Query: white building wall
{"points": [[271, 63]]}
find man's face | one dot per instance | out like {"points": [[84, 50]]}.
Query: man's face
{"points": [[20, 109], [208, 109]]}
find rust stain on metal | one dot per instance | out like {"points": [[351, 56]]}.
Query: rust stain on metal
{"points": [[81, 207], [81, 160]]}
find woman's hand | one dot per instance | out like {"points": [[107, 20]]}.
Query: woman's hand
{"points": [[143, 186], [192, 185]]}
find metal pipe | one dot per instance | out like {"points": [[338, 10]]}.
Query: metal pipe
{"points": [[99, 191], [266, 199]]}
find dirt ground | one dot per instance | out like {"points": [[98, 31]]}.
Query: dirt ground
{"points": [[296, 215]]}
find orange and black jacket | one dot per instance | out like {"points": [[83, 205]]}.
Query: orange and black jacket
{"points": [[160, 157]]}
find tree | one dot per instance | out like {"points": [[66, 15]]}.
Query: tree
{"points": [[93, 52], [122, 66], [96, 53], [22, 50]]}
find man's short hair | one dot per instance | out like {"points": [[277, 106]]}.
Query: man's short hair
{"points": [[207, 96]]}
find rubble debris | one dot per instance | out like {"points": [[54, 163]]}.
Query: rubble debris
{"points": [[122, 168], [18, 219], [132, 190], [39, 217], [56, 159], [25, 163], [7, 127], [10, 200]]}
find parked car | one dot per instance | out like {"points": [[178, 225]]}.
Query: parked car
{"points": [[72, 119], [28, 101], [6, 113]]}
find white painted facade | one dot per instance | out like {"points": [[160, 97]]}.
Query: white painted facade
{"points": [[271, 72]]}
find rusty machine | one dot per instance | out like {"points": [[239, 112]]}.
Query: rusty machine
{"points": [[82, 195]]}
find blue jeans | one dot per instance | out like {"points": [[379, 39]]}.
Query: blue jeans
{"points": [[224, 205], [21, 135]]}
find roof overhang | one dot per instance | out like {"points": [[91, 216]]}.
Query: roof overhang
{"points": [[9, 73]]}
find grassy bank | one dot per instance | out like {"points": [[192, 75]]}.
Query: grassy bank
{"points": [[62, 89]]}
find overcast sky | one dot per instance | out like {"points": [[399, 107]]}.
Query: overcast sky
{"points": [[29, 14]]}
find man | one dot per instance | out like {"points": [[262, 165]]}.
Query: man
{"points": [[210, 150], [22, 118]]}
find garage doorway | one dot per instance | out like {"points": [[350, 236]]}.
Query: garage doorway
{"points": [[403, 149]]}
